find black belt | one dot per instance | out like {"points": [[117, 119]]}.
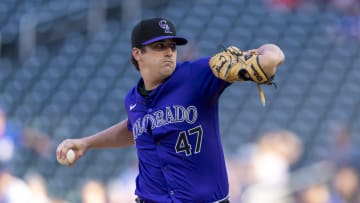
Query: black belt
{"points": [[138, 200]]}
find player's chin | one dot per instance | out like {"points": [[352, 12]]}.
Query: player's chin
{"points": [[168, 68]]}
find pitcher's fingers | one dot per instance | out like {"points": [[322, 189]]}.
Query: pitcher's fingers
{"points": [[62, 149]]}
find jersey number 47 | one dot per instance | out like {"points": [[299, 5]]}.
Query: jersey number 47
{"points": [[183, 144]]}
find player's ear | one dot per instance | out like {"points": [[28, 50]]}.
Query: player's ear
{"points": [[136, 53]]}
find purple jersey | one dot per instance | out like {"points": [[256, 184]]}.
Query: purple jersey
{"points": [[177, 136]]}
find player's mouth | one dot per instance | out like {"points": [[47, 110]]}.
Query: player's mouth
{"points": [[167, 61]]}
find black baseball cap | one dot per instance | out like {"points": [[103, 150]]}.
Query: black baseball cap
{"points": [[152, 30]]}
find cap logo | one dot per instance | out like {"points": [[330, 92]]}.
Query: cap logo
{"points": [[163, 25]]}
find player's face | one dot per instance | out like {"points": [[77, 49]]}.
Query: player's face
{"points": [[159, 59]]}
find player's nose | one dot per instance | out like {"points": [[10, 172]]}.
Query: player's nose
{"points": [[169, 52]]}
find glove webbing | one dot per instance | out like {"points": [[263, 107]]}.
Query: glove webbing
{"points": [[242, 74]]}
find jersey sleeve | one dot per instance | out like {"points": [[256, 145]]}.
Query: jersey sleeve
{"points": [[129, 125], [127, 102], [201, 77]]}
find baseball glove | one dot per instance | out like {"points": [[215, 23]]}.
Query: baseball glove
{"points": [[232, 64]]}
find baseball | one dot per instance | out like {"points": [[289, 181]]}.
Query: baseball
{"points": [[70, 156]]}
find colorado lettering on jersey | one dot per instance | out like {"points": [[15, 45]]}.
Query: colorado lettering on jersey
{"points": [[166, 116]]}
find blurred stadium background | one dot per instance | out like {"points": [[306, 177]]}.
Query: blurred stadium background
{"points": [[65, 69]]}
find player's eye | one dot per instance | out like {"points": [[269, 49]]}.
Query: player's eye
{"points": [[172, 46], [161, 46]]}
